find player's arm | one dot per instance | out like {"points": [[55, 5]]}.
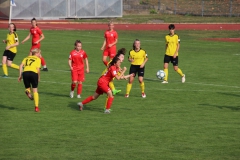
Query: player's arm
{"points": [[144, 62], [110, 45], [12, 45], [118, 77], [27, 38], [175, 54], [42, 37], [87, 65], [127, 76], [20, 72], [70, 64], [104, 44]]}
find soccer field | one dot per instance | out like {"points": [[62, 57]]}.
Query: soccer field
{"points": [[198, 119]]}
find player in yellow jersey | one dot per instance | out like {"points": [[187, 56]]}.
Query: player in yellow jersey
{"points": [[31, 75], [138, 58], [171, 55], [10, 50]]}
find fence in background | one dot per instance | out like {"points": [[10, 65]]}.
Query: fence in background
{"points": [[185, 7], [55, 9]]}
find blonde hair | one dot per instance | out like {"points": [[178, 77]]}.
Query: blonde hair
{"points": [[110, 22], [35, 50]]}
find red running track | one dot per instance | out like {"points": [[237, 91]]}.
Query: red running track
{"points": [[56, 25]]}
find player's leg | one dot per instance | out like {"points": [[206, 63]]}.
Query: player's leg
{"points": [[87, 100], [43, 63], [27, 84], [4, 65], [133, 69], [178, 70], [141, 82], [81, 78], [34, 82], [109, 101], [74, 76], [166, 61], [104, 57]]}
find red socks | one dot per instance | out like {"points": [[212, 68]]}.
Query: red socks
{"points": [[87, 100], [79, 89], [109, 102], [43, 63], [73, 86], [105, 63]]}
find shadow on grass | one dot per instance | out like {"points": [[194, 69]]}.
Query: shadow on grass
{"points": [[230, 94], [11, 108], [88, 107], [54, 94], [234, 108]]}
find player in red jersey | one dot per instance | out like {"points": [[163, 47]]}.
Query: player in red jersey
{"points": [[103, 84], [37, 37], [109, 44], [76, 64]]}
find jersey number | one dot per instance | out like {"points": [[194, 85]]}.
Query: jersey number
{"points": [[29, 62]]}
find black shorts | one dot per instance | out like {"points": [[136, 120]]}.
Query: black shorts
{"points": [[168, 59], [30, 78], [9, 54], [137, 70]]}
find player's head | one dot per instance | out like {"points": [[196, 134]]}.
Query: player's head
{"points": [[136, 44], [78, 45], [110, 25], [36, 52], [12, 27], [171, 28], [115, 61], [121, 53], [34, 22]]}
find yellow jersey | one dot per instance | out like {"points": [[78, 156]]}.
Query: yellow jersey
{"points": [[31, 63], [172, 42], [11, 39], [137, 56]]}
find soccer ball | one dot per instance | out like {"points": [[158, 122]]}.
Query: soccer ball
{"points": [[160, 74]]}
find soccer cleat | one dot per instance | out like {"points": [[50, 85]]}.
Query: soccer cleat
{"points": [[71, 94], [107, 111], [80, 106], [29, 95], [183, 78], [78, 96], [143, 95], [126, 95], [164, 81], [4, 76], [44, 69], [37, 109], [116, 91]]}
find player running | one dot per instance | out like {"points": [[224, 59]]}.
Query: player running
{"points": [[37, 37], [109, 44], [103, 84], [31, 75], [171, 54], [76, 64], [10, 50]]}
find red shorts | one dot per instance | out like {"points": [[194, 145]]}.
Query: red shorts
{"points": [[78, 75], [102, 87], [111, 52], [35, 46]]}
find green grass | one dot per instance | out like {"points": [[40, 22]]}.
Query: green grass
{"points": [[199, 119], [164, 18]]}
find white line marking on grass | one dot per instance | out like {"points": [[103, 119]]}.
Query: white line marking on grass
{"points": [[167, 89], [236, 54]]}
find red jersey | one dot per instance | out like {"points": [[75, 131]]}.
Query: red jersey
{"points": [[36, 33], [110, 37], [109, 74], [77, 58]]}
